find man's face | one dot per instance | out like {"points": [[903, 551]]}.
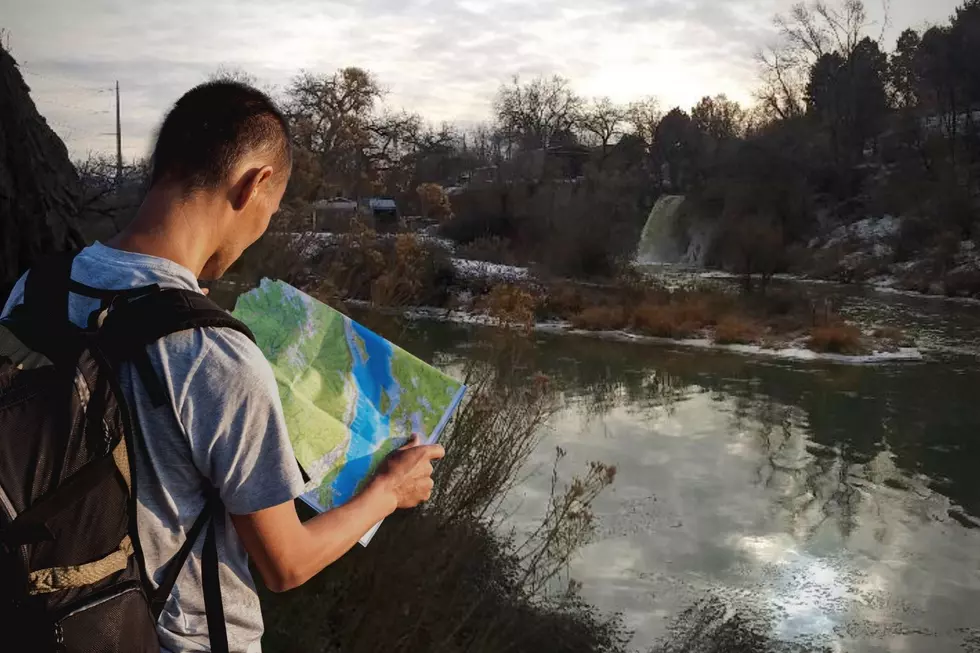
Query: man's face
{"points": [[247, 225]]}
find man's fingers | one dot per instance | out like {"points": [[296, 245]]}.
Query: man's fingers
{"points": [[413, 442], [423, 453], [434, 451]]}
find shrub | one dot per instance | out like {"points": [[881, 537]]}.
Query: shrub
{"points": [[580, 253], [571, 230], [700, 308], [913, 235], [434, 202], [443, 577], [510, 304], [282, 254], [479, 213], [562, 301], [962, 283], [837, 339], [388, 271], [601, 318], [736, 330], [493, 249], [675, 320]]}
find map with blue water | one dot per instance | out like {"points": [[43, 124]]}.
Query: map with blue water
{"points": [[350, 397]]}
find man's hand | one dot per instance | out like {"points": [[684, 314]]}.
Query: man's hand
{"points": [[289, 552], [407, 473]]}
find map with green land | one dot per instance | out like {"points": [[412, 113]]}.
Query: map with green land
{"points": [[350, 397]]}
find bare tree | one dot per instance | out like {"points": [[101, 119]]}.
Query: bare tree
{"points": [[780, 94], [807, 33], [332, 118], [233, 74], [719, 117], [405, 146], [601, 122], [486, 143], [532, 114], [644, 118], [814, 30]]}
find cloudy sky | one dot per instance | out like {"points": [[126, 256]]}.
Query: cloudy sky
{"points": [[440, 58]]}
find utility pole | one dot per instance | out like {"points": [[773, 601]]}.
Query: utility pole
{"points": [[118, 139]]}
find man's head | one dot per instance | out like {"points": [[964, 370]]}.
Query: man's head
{"points": [[228, 143]]}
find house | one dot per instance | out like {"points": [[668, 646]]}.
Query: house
{"points": [[334, 214], [382, 212]]}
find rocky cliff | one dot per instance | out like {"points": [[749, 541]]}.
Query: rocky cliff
{"points": [[39, 188]]}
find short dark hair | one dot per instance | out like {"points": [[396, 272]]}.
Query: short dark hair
{"points": [[209, 130]]}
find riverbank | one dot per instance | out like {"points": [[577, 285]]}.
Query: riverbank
{"points": [[417, 275], [797, 351], [882, 253]]}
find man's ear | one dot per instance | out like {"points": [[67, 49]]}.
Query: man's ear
{"points": [[252, 182]]}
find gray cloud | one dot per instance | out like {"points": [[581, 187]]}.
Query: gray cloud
{"points": [[443, 59]]}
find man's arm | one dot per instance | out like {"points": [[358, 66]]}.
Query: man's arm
{"points": [[289, 552], [232, 415]]}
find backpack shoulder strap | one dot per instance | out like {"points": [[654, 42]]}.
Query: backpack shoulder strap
{"points": [[42, 317], [159, 597], [128, 327], [154, 315], [46, 287], [131, 325], [211, 584]]}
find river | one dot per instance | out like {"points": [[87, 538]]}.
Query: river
{"points": [[832, 506]]}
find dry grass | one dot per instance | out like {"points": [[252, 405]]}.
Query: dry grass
{"points": [[837, 339], [695, 309], [770, 321], [674, 320], [564, 300], [512, 305], [737, 330], [601, 318]]}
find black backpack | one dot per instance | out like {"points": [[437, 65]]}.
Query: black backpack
{"points": [[72, 576]]}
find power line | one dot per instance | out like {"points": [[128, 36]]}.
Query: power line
{"points": [[73, 107], [65, 81]]}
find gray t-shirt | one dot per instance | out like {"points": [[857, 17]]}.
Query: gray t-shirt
{"points": [[223, 427]]}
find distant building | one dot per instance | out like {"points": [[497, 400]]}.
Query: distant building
{"points": [[565, 161], [481, 176], [333, 214], [382, 213]]}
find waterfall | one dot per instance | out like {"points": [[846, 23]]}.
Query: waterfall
{"points": [[658, 242]]}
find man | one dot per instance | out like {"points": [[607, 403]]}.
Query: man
{"points": [[220, 167]]}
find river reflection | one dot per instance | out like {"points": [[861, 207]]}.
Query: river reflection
{"points": [[834, 507]]}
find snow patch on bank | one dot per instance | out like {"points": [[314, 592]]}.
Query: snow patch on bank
{"points": [[470, 269], [869, 231], [313, 242]]}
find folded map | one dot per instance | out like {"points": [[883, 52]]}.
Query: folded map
{"points": [[350, 397]]}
